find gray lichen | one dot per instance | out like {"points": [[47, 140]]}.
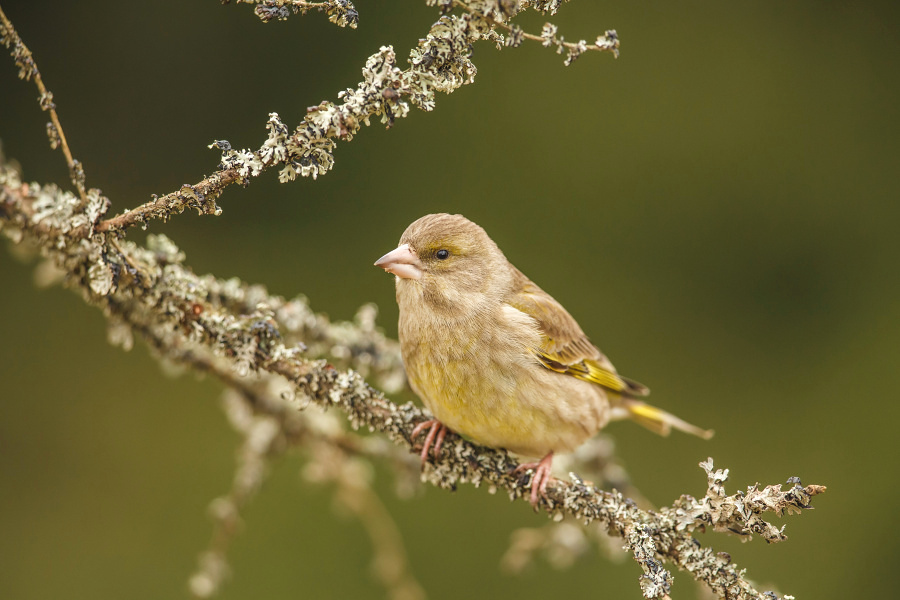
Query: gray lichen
{"points": [[340, 12]]}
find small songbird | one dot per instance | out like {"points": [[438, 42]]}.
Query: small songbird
{"points": [[495, 358]]}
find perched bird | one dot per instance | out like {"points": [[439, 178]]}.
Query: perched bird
{"points": [[495, 358]]}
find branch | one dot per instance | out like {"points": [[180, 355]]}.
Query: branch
{"points": [[498, 15], [271, 420], [28, 70], [188, 313], [201, 196], [440, 63], [270, 349], [340, 12]]}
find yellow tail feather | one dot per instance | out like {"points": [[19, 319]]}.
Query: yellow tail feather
{"points": [[658, 420]]}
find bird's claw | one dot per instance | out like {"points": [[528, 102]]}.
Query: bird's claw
{"points": [[539, 479], [437, 431]]}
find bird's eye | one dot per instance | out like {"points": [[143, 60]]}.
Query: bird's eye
{"points": [[442, 254]]}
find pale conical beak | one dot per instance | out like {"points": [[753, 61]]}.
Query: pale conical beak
{"points": [[402, 262]]}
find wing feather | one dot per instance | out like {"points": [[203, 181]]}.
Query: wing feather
{"points": [[564, 346]]}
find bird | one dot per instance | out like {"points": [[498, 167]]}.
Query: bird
{"points": [[498, 360]]}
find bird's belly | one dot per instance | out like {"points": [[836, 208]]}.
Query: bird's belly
{"points": [[521, 407]]}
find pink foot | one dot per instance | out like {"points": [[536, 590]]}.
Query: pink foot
{"points": [[540, 478], [437, 431]]}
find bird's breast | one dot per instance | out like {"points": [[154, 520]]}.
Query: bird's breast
{"points": [[479, 377]]}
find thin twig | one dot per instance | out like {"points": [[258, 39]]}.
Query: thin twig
{"points": [[608, 42], [340, 12], [201, 196], [28, 70], [390, 565]]}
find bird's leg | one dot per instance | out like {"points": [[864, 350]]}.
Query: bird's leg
{"points": [[437, 431], [540, 478], [439, 441]]}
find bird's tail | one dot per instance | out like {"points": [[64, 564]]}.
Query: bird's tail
{"points": [[655, 419]]}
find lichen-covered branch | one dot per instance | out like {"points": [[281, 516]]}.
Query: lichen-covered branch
{"points": [[499, 15], [440, 63], [354, 492], [28, 70], [340, 12], [279, 357], [270, 427], [154, 292], [272, 420], [201, 196]]}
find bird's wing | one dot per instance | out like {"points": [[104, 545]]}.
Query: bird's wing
{"points": [[565, 348]]}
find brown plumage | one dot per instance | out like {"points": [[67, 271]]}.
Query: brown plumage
{"points": [[497, 359]]}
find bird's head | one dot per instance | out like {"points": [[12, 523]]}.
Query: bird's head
{"points": [[448, 259]]}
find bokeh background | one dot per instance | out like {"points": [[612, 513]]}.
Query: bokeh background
{"points": [[718, 209]]}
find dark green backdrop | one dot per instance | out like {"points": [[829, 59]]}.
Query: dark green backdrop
{"points": [[717, 208]]}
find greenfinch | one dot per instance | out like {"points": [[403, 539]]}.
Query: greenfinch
{"points": [[495, 358]]}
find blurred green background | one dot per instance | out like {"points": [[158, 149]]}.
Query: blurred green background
{"points": [[717, 208]]}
